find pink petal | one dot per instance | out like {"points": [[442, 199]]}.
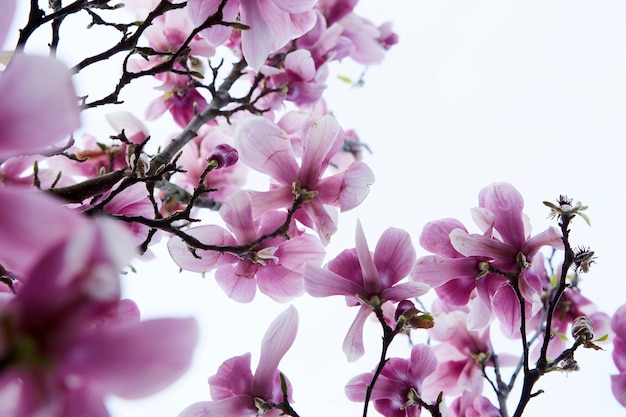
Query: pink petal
{"points": [[277, 198], [295, 6], [295, 252], [237, 213], [200, 10], [506, 204], [279, 283], [353, 343], [8, 10], [549, 237], [323, 217], [135, 360], [265, 147], [210, 235], [436, 270], [233, 377], [134, 129], [322, 141], [277, 340], [435, 237], [479, 245], [404, 291], [286, 26], [371, 280], [238, 406], [256, 42], [423, 363], [618, 385], [394, 256], [347, 189], [355, 388], [301, 63], [320, 282], [240, 288], [37, 113]]}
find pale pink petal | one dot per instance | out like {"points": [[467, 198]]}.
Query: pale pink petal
{"points": [[347, 189], [240, 288], [135, 360], [479, 245], [286, 26], [295, 6], [8, 10], [133, 128], [436, 270], [237, 213], [371, 280], [324, 222], [355, 388], [320, 282], [277, 340], [404, 291], [353, 343], [27, 236], [265, 147], [277, 198], [295, 252], [256, 42], [323, 140], [301, 63], [200, 10], [240, 405], [424, 358], [37, 113], [203, 260], [279, 283]]}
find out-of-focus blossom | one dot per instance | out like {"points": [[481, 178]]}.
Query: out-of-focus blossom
{"points": [[618, 382], [236, 392], [275, 265], [67, 340], [181, 99], [265, 147], [471, 405], [398, 389], [366, 280], [272, 23]]}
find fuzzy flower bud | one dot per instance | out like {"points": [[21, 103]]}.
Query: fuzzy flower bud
{"points": [[582, 329], [225, 155]]}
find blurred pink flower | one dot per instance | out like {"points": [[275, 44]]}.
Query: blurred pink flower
{"points": [[618, 382]]}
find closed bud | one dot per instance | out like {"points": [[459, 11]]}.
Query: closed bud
{"points": [[582, 329], [224, 155]]}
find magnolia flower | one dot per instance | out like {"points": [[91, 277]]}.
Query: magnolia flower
{"points": [[398, 389], [471, 405], [274, 265], [457, 270], [236, 392], [366, 280], [272, 23], [265, 147]]}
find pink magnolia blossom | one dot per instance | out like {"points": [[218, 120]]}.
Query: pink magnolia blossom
{"points": [[38, 105], [471, 405], [275, 265], [181, 99], [366, 280], [455, 270], [236, 391], [618, 382], [68, 340], [399, 385], [272, 23], [265, 147]]}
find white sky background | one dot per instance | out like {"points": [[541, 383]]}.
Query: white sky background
{"points": [[532, 93]]}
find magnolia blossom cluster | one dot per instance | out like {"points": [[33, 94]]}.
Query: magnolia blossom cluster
{"points": [[76, 210]]}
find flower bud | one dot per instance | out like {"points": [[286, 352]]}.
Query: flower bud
{"points": [[225, 155], [582, 329]]}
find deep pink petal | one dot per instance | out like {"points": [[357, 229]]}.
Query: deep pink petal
{"points": [[457, 291], [371, 280], [134, 360], [37, 113], [265, 147], [277, 340], [506, 204], [618, 385], [394, 256], [423, 363], [507, 309]]}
